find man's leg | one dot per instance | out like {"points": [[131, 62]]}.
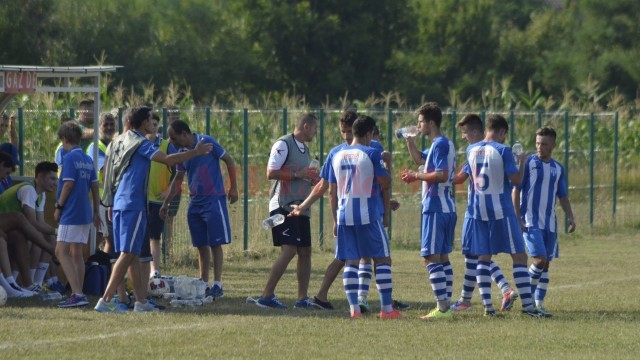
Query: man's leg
{"points": [[303, 271], [384, 284], [218, 262], [156, 252], [20, 249], [287, 252], [483, 278], [522, 281], [330, 276], [117, 274], [350, 283], [365, 273], [204, 259]]}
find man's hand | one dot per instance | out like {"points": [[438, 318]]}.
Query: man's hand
{"points": [[202, 148], [572, 225], [309, 174], [394, 204], [408, 176], [296, 211], [56, 215], [232, 195], [97, 222], [163, 211]]}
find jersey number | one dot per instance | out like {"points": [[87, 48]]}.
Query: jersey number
{"points": [[350, 169], [481, 179]]}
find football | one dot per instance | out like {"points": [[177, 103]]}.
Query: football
{"points": [[158, 287], [3, 296]]}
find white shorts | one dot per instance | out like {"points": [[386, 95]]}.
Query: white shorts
{"points": [[78, 234]]}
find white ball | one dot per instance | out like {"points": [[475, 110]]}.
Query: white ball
{"points": [[3, 296], [158, 287]]}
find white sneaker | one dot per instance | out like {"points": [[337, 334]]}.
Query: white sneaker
{"points": [[146, 307], [15, 291], [34, 288], [154, 274]]}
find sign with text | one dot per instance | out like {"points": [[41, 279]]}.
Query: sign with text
{"points": [[20, 82]]}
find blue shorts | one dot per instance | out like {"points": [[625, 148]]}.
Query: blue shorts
{"points": [[541, 243], [491, 237], [437, 233], [358, 241], [467, 235], [129, 228], [209, 224], [156, 224]]}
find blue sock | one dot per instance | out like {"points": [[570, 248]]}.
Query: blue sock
{"points": [[521, 278], [365, 271], [439, 285], [541, 290], [385, 286], [350, 282], [448, 273], [534, 277], [471, 263], [483, 277]]}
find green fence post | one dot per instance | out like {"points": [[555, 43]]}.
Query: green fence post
{"points": [[321, 215], [284, 121], [483, 116], [21, 137], [207, 119], [539, 119], [245, 176], [512, 127], [566, 161], [615, 166], [72, 113], [164, 125], [454, 139], [120, 115], [390, 147], [591, 165]]}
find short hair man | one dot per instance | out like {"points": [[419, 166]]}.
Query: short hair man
{"points": [[438, 206], [291, 176], [126, 176], [354, 170], [544, 180], [74, 212], [8, 162], [472, 130], [207, 215], [493, 223]]}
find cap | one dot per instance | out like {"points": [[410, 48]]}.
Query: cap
{"points": [[12, 150]]}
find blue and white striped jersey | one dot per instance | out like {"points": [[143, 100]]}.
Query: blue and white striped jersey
{"points": [[542, 183], [490, 165], [438, 197], [354, 169]]}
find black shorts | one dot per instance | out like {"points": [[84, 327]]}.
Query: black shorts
{"points": [[145, 252], [156, 224], [295, 230]]}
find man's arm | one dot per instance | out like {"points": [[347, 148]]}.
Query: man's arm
{"points": [[460, 177], [385, 186], [416, 154], [316, 193], [566, 207], [177, 158], [286, 173], [95, 198], [175, 185], [67, 186], [37, 220], [333, 205], [409, 176], [516, 178], [515, 198], [13, 135], [231, 170]]}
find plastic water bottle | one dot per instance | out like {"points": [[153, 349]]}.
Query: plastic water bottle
{"points": [[314, 164], [50, 296], [517, 149], [406, 132], [421, 168], [272, 221]]}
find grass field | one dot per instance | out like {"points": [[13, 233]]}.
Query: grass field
{"points": [[593, 295]]}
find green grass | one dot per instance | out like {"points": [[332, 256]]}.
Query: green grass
{"points": [[593, 296]]}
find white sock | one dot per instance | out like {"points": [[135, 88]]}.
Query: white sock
{"points": [[52, 280], [15, 274], [11, 292], [32, 273], [40, 273]]}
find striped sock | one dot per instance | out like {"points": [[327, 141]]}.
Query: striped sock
{"points": [[483, 277], [471, 263], [521, 278], [350, 283], [448, 273], [541, 290], [534, 277], [498, 277], [439, 285], [365, 271], [385, 286]]}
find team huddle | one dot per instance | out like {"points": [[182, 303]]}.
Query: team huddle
{"points": [[511, 208]]}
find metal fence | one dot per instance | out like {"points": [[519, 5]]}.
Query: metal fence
{"points": [[602, 177]]}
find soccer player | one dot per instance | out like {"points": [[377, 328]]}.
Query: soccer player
{"points": [[29, 198], [473, 131], [126, 175], [353, 172], [207, 215], [493, 221], [73, 210], [291, 176], [438, 206], [535, 202]]}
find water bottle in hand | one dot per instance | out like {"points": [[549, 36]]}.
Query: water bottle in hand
{"points": [[272, 221], [407, 132], [314, 164], [517, 149]]}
